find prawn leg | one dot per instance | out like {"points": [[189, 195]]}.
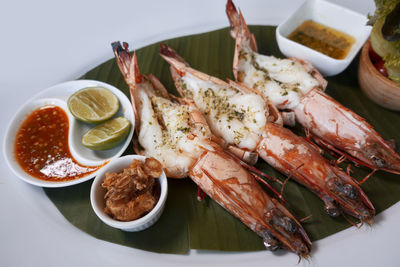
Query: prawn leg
{"points": [[278, 146], [174, 131]]}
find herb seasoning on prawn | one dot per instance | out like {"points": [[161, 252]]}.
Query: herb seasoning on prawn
{"points": [[294, 85], [196, 153], [259, 131]]}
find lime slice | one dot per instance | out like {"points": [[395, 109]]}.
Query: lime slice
{"points": [[107, 135], [93, 104]]}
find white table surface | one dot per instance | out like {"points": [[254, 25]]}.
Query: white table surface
{"points": [[46, 42]]}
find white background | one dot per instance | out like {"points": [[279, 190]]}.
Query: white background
{"points": [[46, 42]]}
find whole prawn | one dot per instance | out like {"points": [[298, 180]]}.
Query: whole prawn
{"points": [[294, 85], [174, 132], [246, 121]]}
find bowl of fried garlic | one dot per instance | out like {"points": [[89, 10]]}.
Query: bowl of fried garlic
{"points": [[130, 193]]}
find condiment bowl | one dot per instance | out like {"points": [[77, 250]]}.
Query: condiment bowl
{"points": [[12, 133], [331, 15], [97, 193], [58, 95], [377, 87]]}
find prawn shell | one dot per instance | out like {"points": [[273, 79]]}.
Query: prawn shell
{"points": [[234, 188], [295, 157], [345, 130]]}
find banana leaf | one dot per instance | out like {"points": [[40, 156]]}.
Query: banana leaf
{"points": [[189, 224]]}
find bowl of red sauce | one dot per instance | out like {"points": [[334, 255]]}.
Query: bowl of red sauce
{"points": [[42, 144]]}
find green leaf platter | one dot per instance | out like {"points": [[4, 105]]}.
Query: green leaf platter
{"points": [[191, 224]]}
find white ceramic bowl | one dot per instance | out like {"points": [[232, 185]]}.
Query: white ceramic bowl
{"points": [[97, 193], [331, 15], [58, 95]]}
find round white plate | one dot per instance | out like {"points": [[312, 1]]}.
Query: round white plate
{"points": [[38, 53], [58, 95]]}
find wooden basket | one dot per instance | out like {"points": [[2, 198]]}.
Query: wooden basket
{"points": [[377, 87]]}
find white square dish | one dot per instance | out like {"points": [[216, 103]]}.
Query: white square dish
{"points": [[331, 15]]}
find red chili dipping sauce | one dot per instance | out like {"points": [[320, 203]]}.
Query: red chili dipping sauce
{"points": [[41, 147]]}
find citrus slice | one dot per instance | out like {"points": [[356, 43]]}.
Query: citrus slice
{"points": [[93, 104], [107, 135]]}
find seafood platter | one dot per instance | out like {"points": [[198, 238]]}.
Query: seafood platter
{"points": [[252, 144]]}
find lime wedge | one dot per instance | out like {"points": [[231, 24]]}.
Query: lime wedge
{"points": [[107, 135], [93, 104]]}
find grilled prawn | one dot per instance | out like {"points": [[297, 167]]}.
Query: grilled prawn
{"points": [[174, 132], [245, 121], [294, 85]]}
